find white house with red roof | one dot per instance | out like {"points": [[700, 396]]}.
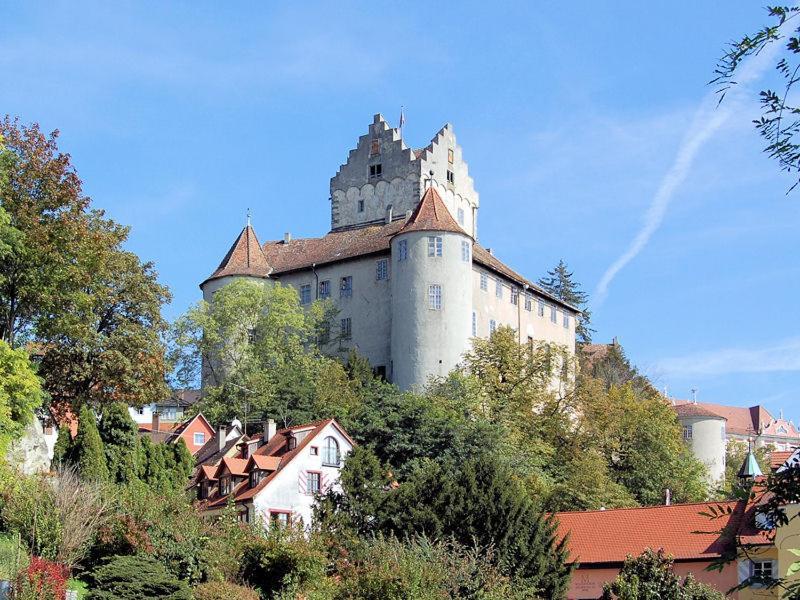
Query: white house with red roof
{"points": [[402, 264], [277, 476]]}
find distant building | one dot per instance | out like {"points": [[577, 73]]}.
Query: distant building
{"points": [[402, 264], [195, 432], [170, 410], [274, 477], [708, 428]]}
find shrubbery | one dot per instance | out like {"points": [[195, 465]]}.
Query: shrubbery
{"points": [[134, 578], [222, 590], [41, 580]]}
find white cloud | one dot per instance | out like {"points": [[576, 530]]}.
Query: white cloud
{"points": [[782, 356]]}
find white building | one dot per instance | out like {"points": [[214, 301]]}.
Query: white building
{"points": [[277, 476], [402, 263]]}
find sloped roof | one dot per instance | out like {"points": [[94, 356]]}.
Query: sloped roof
{"points": [[235, 466], [431, 214], [245, 257], [609, 536], [696, 410], [210, 454], [741, 420], [266, 463]]}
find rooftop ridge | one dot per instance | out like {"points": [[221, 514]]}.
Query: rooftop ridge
{"points": [[653, 507]]}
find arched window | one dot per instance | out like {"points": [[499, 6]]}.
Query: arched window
{"points": [[330, 452]]}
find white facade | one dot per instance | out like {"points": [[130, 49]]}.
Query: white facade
{"points": [[706, 437]]}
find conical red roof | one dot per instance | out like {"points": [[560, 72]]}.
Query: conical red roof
{"points": [[246, 257], [431, 214]]}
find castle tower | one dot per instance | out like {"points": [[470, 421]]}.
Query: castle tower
{"points": [[244, 260], [382, 173], [431, 293]]}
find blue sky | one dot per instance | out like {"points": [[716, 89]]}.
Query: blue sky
{"points": [[180, 116]]}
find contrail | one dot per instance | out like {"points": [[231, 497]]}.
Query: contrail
{"points": [[709, 118]]}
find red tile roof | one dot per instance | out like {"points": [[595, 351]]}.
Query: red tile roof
{"points": [[266, 463], [609, 536], [235, 466], [695, 410], [778, 458], [741, 420], [431, 214], [245, 257]]}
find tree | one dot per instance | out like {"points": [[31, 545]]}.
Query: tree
{"points": [[89, 454], [560, 284], [135, 577], [20, 393], [120, 437], [779, 123], [63, 450], [651, 576], [735, 453], [66, 282], [255, 348]]}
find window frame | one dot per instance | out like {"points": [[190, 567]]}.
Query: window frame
{"points": [[327, 447], [492, 326], [465, 251], [382, 269], [202, 438], [461, 215], [346, 286], [402, 250], [376, 171], [484, 281], [318, 475], [305, 298], [346, 328], [474, 324], [434, 296], [498, 288], [325, 289], [435, 246], [275, 515]]}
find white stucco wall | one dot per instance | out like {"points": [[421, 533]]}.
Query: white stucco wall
{"points": [[426, 342], [284, 493], [708, 443]]}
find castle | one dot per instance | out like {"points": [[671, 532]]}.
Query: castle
{"points": [[402, 263]]}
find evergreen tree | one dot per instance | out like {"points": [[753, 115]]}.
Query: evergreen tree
{"points": [[183, 463], [63, 451], [135, 577], [121, 441], [88, 451], [560, 284]]}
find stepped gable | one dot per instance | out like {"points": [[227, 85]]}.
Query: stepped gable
{"points": [[431, 214], [245, 257]]}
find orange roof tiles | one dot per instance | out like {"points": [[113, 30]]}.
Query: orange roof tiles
{"points": [[609, 536], [431, 214], [266, 463], [741, 420], [695, 410], [235, 466], [245, 257]]}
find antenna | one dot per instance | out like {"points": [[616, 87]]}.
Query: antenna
{"points": [[248, 217], [694, 395]]}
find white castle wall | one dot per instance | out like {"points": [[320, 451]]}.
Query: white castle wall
{"points": [[708, 443], [427, 342]]}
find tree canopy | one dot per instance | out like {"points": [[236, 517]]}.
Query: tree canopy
{"points": [[560, 284]]}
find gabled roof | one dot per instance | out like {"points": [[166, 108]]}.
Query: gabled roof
{"points": [[207, 472], [235, 466], [245, 257], [431, 214], [210, 454], [265, 463], [609, 536]]}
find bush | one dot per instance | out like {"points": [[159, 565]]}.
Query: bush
{"points": [[41, 580], [222, 590], [134, 578]]}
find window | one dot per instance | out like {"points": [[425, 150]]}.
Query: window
{"points": [[325, 289], [498, 288], [291, 443], [528, 303], [346, 329], [168, 413], [346, 287], [199, 438], [312, 482], [514, 296], [474, 324], [687, 432], [375, 147], [382, 269], [763, 569], [460, 216], [202, 490], [465, 251], [224, 486], [256, 475], [360, 206], [140, 410], [278, 519], [375, 171], [451, 178], [314, 451], [553, 316], [435, 297], [566, 321], [450, 155], [484, 281], [492, 326], [402, 250], [434, 245], [540, 310], [380, 372], [330, 452], [305, 294]]}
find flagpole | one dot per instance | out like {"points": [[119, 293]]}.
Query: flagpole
{"points": [[402, 121]]}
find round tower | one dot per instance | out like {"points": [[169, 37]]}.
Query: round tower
{"points": [[431, 294], [705, 433]]}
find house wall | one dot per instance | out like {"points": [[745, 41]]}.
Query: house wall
{"points": [[587, 582], [196, 426], [284, 492]]}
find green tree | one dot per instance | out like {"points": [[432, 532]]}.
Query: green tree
{"points": [[20, 393], [257, 347], [63, 450], [89, 455], [120, 437], [560, 284], [67, 283], [735, 453], [651, 576], [136, 577]]}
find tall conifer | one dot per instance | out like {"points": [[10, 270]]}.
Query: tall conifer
{"points": [[559, 283], [89, 455]]}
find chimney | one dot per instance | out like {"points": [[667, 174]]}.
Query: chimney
{"points": [[269, 430], [287, 237], [156, 424], [667, 497], [222, 432], [389, 214]]}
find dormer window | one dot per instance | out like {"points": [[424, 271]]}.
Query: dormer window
{"points": [[375, 171], [256, 475], [291, 443], [202, 490], [224, 486]]}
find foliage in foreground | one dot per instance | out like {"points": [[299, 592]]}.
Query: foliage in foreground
{"points": [[20, 393], [134, 578]]}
